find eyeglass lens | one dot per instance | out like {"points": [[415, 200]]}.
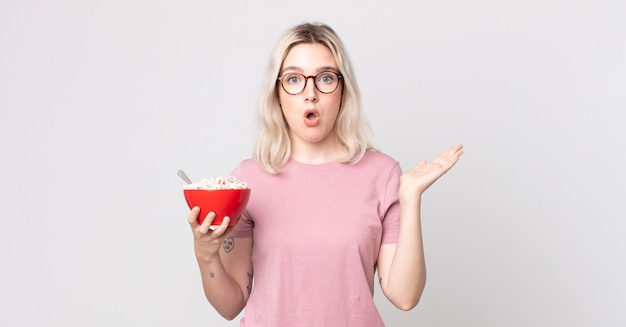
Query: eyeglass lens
{"points": [[325, 82]]}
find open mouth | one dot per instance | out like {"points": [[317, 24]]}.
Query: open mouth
{"points": [[311, 117], [311, 114]]}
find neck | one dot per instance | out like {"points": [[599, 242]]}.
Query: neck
{"points": [[314, 153]]}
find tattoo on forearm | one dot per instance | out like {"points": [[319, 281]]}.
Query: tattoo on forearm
{"points": [[229, 243], [211, 274], [249, 287], [380, 280]]}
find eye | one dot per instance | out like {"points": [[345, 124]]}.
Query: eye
{"points": [[292, 78], [327, 78]]}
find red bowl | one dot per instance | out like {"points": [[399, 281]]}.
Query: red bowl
{"points": [[223, 202]]}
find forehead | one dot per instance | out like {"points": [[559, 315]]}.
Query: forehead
{"points": [[309, 57]]}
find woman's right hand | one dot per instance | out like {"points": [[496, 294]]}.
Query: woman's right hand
{"points": [[226, 273], [207, 242]]}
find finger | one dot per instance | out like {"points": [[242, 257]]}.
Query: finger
{"points": [[450, 154], [446, 162], [223, 226], [455, 150], [206, 224], [458, 150], [443, 158], [421, 164], [192, 217], [452, 160]]}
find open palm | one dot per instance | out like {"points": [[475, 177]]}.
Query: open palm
{"points": [[422, 176]]}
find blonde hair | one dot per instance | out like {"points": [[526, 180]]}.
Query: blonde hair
{"points": [[273, 146]]}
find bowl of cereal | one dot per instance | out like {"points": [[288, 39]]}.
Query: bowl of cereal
{"points": [[227, 197]]}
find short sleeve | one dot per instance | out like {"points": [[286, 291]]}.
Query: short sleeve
{"points": [[391, 205]]}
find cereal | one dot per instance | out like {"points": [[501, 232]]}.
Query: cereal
{"points": [[217, 183]]}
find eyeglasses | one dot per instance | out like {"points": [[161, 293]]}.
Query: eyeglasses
{"points": [[325, 82]]}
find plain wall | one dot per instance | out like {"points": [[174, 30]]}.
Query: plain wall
{"points": [[101, 102]]}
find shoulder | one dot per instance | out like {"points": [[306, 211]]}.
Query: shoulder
{"points": [[248, 163], [246, 167], [378, 165], [378, 159], [250, 170]]}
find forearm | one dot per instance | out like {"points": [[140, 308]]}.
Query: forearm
{"points": [[403, 264], [220, 288], [407, 273]]}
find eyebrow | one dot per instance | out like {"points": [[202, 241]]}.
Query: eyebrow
{"points": [[319, 70]]}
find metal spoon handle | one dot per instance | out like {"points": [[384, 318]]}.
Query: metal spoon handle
{"points": [[184, 176]]}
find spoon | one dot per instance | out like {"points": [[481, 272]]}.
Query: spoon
{"points": [[184, 176]]}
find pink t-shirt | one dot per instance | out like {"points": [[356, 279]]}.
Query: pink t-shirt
{"points": [[317, 230]]}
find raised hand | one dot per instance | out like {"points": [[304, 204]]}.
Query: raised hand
{"points": [[422, 176]]}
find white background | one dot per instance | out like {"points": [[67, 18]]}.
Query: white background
{"points": [[102, 101]]}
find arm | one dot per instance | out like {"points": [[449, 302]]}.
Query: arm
{"points": [[401, 266], [225, 267]]}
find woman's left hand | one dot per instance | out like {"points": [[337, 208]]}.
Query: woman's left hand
{"points": [[422, 176]]}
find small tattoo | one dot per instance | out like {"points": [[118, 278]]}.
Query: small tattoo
{"points": [[249, 287], [380, 281], [211, 274], [229, 244]]}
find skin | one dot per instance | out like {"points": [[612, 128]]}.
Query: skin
{"points": [[401, 266], [226, 267], [311, 144]]}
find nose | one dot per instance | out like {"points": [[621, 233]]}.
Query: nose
{"points": [[310, 91]]}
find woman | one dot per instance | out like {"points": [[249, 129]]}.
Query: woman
{"points": [[327, 211]]}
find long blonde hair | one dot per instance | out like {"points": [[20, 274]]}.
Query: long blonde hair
{"points": [[273, 146]]}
